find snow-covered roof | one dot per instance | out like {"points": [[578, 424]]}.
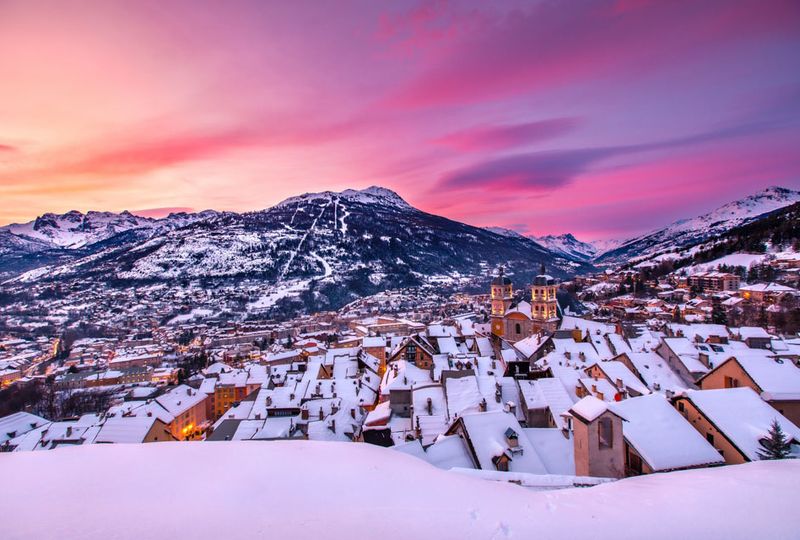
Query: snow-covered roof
{"points": [[767, 288], [778, 379], [661, 436], [584, 325], [549, 393], [530, 344], [556, 451], [373, 341], [590, 408], [618, 371], [180, 399], [487, 434], [656, 372], [463, 395], [742, 416], [125, 429], [18, 423]]}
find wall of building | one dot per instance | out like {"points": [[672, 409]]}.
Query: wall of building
{"points": [[788, 408], [516, 327], [716, 378], [729, 453], [593, 460]]}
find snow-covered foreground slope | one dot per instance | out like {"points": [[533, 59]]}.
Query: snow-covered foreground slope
{"points": [[336, 490]]}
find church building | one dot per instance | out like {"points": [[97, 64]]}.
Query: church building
{"points": [[514, 322]]}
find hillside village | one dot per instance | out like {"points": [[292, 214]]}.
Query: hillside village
{"points": [[548, 383]]}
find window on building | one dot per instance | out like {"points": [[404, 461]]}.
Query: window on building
{"points": [[605, 432], [710, 437], [518, 328], [411, 352], [730, 382]]}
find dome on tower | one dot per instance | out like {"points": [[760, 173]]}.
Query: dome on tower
{"points": [[501, 278]]}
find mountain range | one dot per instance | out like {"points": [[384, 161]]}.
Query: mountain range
{"points": [[340, 244], [676, 235], [686, 232]]}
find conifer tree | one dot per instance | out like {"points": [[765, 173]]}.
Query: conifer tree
{"points": [[775, 445]]}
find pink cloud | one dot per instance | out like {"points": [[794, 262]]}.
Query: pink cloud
{"points": [[499, 137], [553, 44]]}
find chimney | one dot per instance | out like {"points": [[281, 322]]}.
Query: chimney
{"points": [[188, 391], [321, 414], [69, 431], [304, 414], [430, 406], [567, 355], [620, 384], [352, 413], [332, 425], [482, 405], [512, 408]]}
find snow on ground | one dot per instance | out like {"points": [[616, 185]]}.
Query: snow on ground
{"points": [[197, 313], [325, 264], [279, 292], [305, 489], [745, 260]]}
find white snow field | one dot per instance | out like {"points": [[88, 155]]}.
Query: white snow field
{"points": [[308, 489]]}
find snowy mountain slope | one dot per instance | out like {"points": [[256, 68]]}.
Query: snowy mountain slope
{"points": [[690, 231], [310, 488], [12, 244], [330, 247]]}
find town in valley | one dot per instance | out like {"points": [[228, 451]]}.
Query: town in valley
{"points": [[660, 364]]}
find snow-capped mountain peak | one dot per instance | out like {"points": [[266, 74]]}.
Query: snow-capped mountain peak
{"points": [[74, 229], [502, 231], [568, 246], [371, 195]]}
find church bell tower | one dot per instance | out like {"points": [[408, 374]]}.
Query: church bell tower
{"points": [[502, 294]]}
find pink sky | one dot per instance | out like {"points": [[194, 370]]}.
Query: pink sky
{"points": [[603, 118]]}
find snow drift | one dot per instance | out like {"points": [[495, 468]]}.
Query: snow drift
{"points": [[336, 490]]}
